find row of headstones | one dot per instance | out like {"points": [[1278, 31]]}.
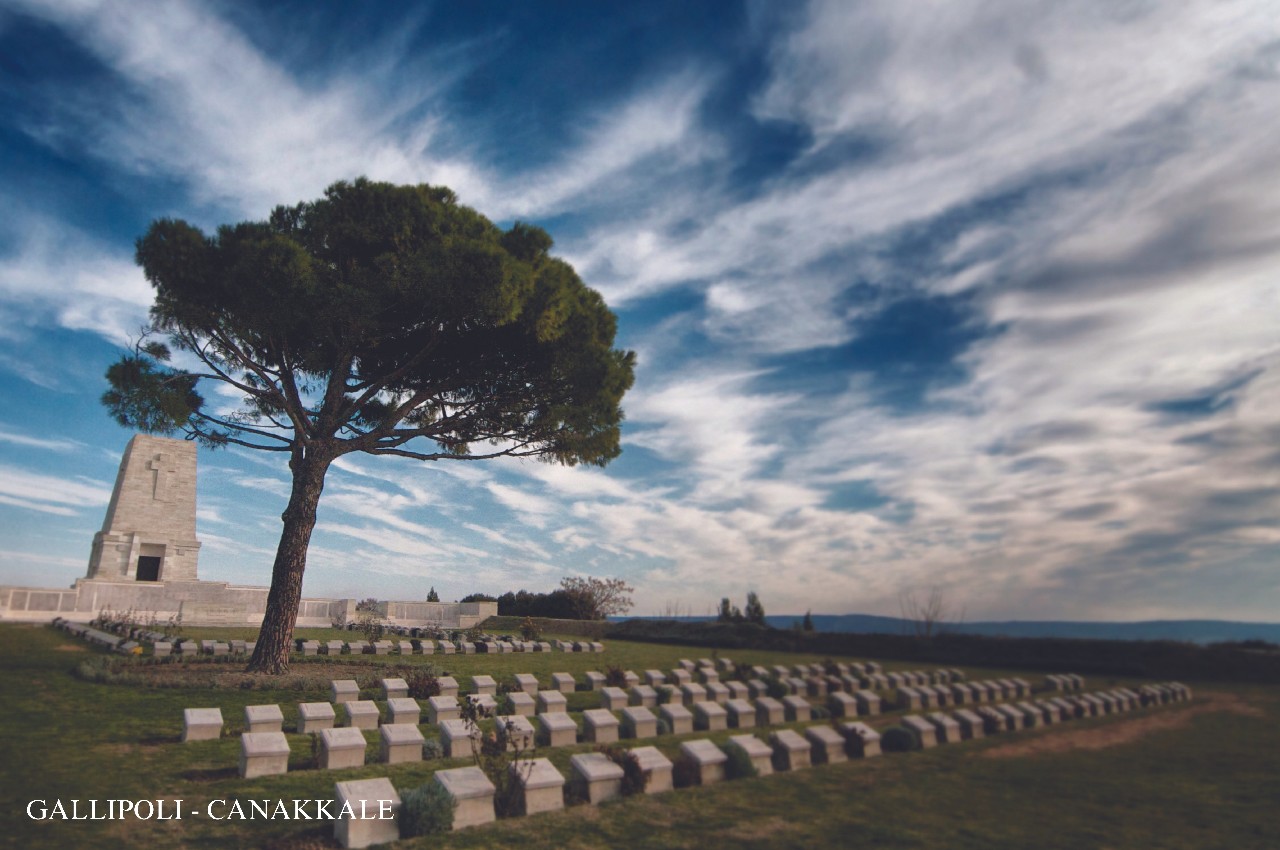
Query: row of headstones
{"points": [[135, 636], [962, 693], [817, 679], [940, 728], [599, 778], [595, 778], [100, 638], [712, 712], [264, 748], [107, 640], [164, 648]]}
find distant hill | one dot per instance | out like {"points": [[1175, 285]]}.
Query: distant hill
{"points": [[1191, 631]]}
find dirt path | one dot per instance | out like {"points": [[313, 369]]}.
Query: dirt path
{"points": [[1122, 731]]}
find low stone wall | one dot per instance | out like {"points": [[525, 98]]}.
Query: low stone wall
{"points": [[211, 603]]}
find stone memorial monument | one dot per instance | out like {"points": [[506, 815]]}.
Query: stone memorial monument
{"points": [[150, 530]]}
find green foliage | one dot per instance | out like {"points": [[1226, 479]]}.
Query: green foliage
{"points": [[820, 712], [426, 810], [423, 682], [382, 319], [596, 598], [776, 689], [390, 290], [634, 779], [149, 396], [370, 623], [739, 765], [433, 749], [684, 771], [432, 596], [896, 739], [501, 756], [728, 613], [615, 676], [530, 630], [807, 624], [754, 612]]}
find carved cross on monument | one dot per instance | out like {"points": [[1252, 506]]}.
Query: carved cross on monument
{"points": [[162, 467]]}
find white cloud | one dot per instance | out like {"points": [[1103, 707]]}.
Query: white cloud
{"points": [[60, 276], [55, 445], [51, 494]]}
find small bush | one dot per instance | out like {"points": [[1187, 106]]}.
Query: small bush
{"points": [[777, 690], [898, 740], [664, 728], [634, 778], [530, 630], [423, 683], [820, 712], [615, 676], [433, 749], [684, 772], [426, 810], [740, 765]]}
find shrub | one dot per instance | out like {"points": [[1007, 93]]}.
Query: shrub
{"points": [[433, 749], [426, 810], [820, 712], [776, 689], [634, 778], [664, 728], [615, 676], [684, 772], [530, 630], [423, 683], [739, 765], [898, 740]]}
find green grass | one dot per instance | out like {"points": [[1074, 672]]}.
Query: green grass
{"points": [[1210, 783]]}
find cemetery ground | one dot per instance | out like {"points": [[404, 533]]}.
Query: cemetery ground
{"points": [[1203, 774]]}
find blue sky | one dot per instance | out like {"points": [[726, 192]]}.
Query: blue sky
{"points": [[976, 295]]}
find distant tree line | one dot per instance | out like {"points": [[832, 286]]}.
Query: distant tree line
{"points": [[576, 599], [753, 613]]}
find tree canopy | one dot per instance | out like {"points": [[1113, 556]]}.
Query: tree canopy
{"points": [[383, 319], [597, 598]]}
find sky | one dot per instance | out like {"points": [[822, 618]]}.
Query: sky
{"points": [[981, 296]]}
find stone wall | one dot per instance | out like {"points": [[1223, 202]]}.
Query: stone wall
{"points": [[211, 603]]}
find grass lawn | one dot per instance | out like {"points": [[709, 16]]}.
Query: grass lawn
{"points": [[1204, 775]]}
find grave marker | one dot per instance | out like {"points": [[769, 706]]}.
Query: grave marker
{"points": [[401, 743], [367, 796], [657, 769], [472, 793], [263, 754], [790, 750], [342, 747], [314, 716]]}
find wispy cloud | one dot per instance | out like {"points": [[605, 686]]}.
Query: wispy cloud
{"points": [[26, 441], [51, 494], [1008, 278]]}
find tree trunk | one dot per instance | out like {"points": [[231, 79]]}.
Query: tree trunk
{"points": [[271, 655]]}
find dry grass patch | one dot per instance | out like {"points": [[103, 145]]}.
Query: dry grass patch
{"points": [[1122, 731]]}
